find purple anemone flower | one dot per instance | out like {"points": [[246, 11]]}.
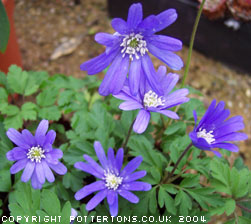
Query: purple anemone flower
{"points": [[129, 47], [214, 131], [35, 155], [148, 101], [113, 181]]}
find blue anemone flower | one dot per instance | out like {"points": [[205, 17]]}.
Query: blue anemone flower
{"points": [[113, 181], [214, 131], [127, 50], [149, 101]]}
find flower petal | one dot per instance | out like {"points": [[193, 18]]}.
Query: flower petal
{"points": [[19, 165], [106, 39], [135, 16], [148, 25], [111, 196], [165, 42], [114, 207], [235, 136], [166, 18], [130, 105], [47, 172], [88, 169], [94, 164], [137, 186], [134, 76], [28, 137], [40, 173], [50, 137], [96, 200], [169, 113], [28, 171], [131, 166], [34, 181], [134, 176], [115, 76], [128, 196], [59, 168], [119, 158], [119, 25], [42, 128], [168, 57], [141, 121], [89, 189], [17, 138], [16, 153], [100, 154], [227, 146]]}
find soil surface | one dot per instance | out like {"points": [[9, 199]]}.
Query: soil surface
{"points": [[42, 26]]}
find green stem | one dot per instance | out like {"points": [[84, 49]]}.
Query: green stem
{"points": [[177, 163], [127, 138], [191, 43]]}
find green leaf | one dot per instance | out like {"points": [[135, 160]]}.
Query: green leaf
{"points": [[15, 122], [10, 110], [230, 206], [3, 95], [66, 213], [4, 28], [152, 200], [50, 203], [165, 198], [5, 181], [179, 126], [31, 86], [28, 111], [50, 113], [47, 97], [17, 79], [39, 76], [190, 181], [184, 202]]}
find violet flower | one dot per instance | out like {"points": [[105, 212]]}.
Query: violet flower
{"points": [[113, 181], [127, 50], [35, 155], [148, 101], [214, 131]]}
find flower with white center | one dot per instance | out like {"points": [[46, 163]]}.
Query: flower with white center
{"points": [[214, 131], [127, 51], [35, 155], [113, 180], [147, 100]]}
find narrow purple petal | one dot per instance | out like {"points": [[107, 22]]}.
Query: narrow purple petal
{"points": [[100, 154], [16, 153], [47, 172], [53, 156], [166, 18], [131, 166], [227, 146], [176, 98], [148, 25], [17, 138], [40, 173], [111, 196], [94, 164], [236, 136], [169, 113], [59, 168], [89, 189], [141, 121], [115, 76], [111, 161], [96, 200], [42, 128], [137, 186], [215, 153], [195, 119], [135, 15], [50, 137], [114, 207], [169, 82], [34, 181], [105, 38], [40, 140], [28, 138], [19, 165], [88, 169], [120, 25], [128, 196], [119, 158], [130, 105], [226, 129], [134, 176], [150, 73], [28, 171], [168, 57], [134, 76], [165, 42]]}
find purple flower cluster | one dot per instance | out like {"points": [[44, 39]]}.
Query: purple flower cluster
{"points": [[35, 155], [127, 50], [214, 131], [113, 181]]}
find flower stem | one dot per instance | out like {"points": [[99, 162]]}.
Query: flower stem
{"points": [[177, 163], [244, 208], [127, 138], [191, 43]]}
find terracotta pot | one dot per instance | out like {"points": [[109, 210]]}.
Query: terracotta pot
{"points": [[12, 54]]}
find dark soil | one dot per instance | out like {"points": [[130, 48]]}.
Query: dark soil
{"points": [[43, 25]]}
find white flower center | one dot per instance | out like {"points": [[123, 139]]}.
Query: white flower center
{"points": [[208, 136], [36, 153], [151, 99], [134, 45], [112, 181]]}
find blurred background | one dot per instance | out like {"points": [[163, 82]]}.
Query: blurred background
{"points": [[58, 36]]}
